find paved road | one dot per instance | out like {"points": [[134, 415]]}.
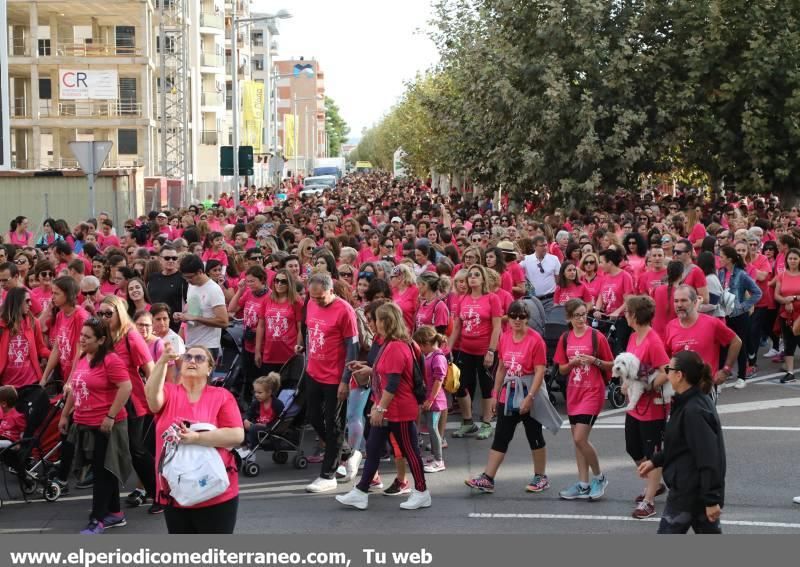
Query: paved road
{"points": [[762, 428]]}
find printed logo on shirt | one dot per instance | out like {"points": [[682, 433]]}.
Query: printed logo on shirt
{"points": [[80, 391], [18, 351], [64, 345], [278, 325], [250, 315], [316, 339], [513, 367], [472, 320], [609, 297]]}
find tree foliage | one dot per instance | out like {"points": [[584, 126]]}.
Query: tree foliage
{"points": [[336, 129], [581, 95]]}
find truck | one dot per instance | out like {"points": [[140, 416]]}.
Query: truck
{"points": [[330, 166]]}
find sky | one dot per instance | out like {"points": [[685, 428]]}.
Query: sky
{"points": [[366, 48]]}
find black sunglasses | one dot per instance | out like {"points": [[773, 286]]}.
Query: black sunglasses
{"points": [[282, 281], [91, 292], [366, 275], [672, 369], [518, 316], [105, 314], [541, 269]]}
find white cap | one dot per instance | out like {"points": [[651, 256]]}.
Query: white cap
{"points": [[397, 219]]}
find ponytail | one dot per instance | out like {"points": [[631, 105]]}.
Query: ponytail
{"points": [[428, 335], [696, 372], [706, 381]]}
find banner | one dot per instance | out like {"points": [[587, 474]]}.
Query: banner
{"points": [[252, 115], [288, 135], [5, 128], [87, 84]]}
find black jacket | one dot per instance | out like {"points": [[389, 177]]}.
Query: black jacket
{"points": [[694, 452]]}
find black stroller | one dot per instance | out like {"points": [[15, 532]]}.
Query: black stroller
{"points": [[33, 457], [286, 434], [614, 389], [229, 369], [554, 327]]}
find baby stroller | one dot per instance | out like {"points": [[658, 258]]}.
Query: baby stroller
{"points": [[229, 369], [33, 456], [286, 434], [555, 326], [614, 389]]}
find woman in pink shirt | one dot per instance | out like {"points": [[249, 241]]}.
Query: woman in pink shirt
{"points": [[179, 406], [21, 342], [64, 330], [568, 286], [584, 357], [99, 388], [19, 234], [44, 272], [404, 292], [590, 275]]}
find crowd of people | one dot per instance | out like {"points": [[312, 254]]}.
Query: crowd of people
{"points": [[384, 285]]}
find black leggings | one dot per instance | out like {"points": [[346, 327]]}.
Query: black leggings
{"points": [[105, 491], [741, 326], [141, 457], [507, 424], [789, 340], [405, 433], [761, 323], [217, 519], [675, 520], [473, 372], [327, 415]]}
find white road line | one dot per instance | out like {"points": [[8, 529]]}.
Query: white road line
{"points": [[24, 530], [745, 523], [615, 424]]}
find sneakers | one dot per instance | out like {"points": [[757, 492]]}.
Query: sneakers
{"points": [[796, 499], [484, 431], [434, 467], [662, 488], [246, 454], [322, 485], [644, 510], [341, 474], [136, 498], [351, 466], [376, 483], [752, 370], [598, 488], [575, 492], [771, 353], [466, 430], [778, 359], [740, 384], [94, 527], [788, 377], [482, 483], [86, 482], [538, 483], [417, 500], [155, 509], [114, 521], [318, 456], [398, 488], [355, 498]]}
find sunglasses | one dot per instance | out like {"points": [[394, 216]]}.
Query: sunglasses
{"points": [[366, 275], [91, 292], [46, 274], [677, 252], [518, 316], [169, 258], [541, 269], [196, 358], [20, 261], [346, 274], [672, 369], [590, 262], [105, 314]]}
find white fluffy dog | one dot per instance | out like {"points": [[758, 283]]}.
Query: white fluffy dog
{"points": [[626, 369]]}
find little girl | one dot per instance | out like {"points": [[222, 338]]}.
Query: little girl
{"points": [[266, 407], [213, 250], [429, 342]]}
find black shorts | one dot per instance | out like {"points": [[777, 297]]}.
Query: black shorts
{"points": [[643, 439], [583, 418]]}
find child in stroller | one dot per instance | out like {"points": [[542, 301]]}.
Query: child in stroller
{"points": [[265, 408], [13, 423]]}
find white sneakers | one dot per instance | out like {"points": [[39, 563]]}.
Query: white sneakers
{"points": [[771, 353], [322, 485], [434, 466], [739, 384], [417, 500], [796, 499], [351, 466], [354, 498]]}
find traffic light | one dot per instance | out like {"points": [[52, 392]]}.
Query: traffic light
{"points": [[245, 160]]}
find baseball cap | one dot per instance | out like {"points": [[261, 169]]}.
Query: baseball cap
{"points": [[397, 219], [162, 215]]}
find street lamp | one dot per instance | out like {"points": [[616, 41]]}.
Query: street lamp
{"points": [[296, 129], [279, 15]]}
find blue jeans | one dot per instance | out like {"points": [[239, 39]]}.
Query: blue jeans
{"points": [[356, 402]]}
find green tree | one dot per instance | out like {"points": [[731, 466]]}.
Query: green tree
{"points": [[336, 129]]}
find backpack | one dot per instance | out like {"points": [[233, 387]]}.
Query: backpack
{"points": [[194, 473], [452, 380], [418, 373]]}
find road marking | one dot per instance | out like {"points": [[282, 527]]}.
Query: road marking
{"points": [[745, 523], [24, 530]]}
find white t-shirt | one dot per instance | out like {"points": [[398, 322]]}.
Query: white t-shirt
{"points": [[201, 301], [541, 274]]}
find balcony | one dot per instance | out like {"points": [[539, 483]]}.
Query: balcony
{"points": [[19, 47], [20, 108], [212, 99], [97, 50], [209, 137], [211, 20], [98, 109], [211, 60]]}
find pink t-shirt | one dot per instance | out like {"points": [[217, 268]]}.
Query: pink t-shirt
{"points": [[19, 239], [695, 278], [517, 276], [407, 302], [134, 353], [476, 316], [761, 264], [280, 329], [328, 328], [651, 355], [43, 295], [704, 337], [436, 370], [575, 291], [613, 290], [433, 312], [65, 333], [12, 426], [593, 286], [209, 254], [698, 233], [521, 358], [649, 281], [396, 359], [251, 307], [665, 309], [18, 371], [216, 406], [107, 241], [790, 285], [94, 389], [586, 392]]}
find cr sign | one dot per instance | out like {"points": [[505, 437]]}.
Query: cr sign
{"points": [[87, 84]]}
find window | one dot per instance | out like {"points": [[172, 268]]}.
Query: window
{"points": [[127, 95], [125, 40], [170, 43], [44, 47], [45, 90], [127, 144]]}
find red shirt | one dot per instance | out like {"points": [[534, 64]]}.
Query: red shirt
{"points": [[251, 308], [698, 233], [586, 392], [433, 312], [705, 338], [649, 281], [216, 406], [593, 286], [476, 316], [280, 329], [651, 355], [695, 278], [65, 333], [104, 242], [613, 290], [407, 302], [211, 255], [521, 358], [94, 389], [574, 291], [18, 371], [134, 353], [328, 328], [665, 309], [395, 358], [790, 285], [761, 264], [517, 276], [43, 295], [12, 426]]}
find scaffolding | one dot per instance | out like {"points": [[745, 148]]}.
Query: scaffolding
{"points": [[173, 47]]}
